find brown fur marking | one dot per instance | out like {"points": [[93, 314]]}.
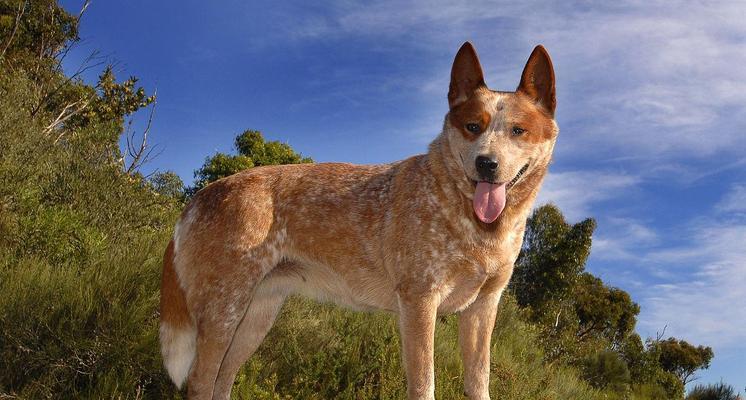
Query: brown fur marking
{"points": [[173, 303], [471, 111]]}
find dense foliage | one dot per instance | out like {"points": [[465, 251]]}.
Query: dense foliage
{"points": [[683, 359], [253, 151], [82, 234]]}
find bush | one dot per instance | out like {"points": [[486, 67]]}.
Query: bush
{"points": [[718, 391], [607, 370]]}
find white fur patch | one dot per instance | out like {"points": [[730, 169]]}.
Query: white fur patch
{"points": [[183, 226], [178, 347]]}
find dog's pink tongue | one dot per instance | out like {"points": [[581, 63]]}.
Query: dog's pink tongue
{"points": [[489, 201]]}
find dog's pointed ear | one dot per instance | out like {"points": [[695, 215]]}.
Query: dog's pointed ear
{"points": [[537, 80], [466, 75]]}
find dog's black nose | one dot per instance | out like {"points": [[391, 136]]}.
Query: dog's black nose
{"points": [[486, 167]]}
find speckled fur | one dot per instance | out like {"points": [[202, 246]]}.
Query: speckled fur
{"points": [[400, 237]]}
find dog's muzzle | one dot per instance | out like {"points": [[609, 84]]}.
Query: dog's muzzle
{"points": [[486, 168]]}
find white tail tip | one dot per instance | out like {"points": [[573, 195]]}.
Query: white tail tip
{"points": [[178, 347]]}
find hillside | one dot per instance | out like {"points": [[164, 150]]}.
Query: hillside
{"points": [[82, 233]]}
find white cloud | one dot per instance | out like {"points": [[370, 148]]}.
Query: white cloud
{"points": [[575, 191], [701, 266], [624, 239], [734, 201], [706, 305], [656, 79]]}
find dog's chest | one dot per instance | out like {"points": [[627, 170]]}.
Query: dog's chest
{"points": [[462, 276], [458, 266]]}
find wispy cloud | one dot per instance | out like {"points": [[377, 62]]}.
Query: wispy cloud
{"points": [[651, 78], [624, 239], [706, 300], [574, 192], [734, 201], [690, 278]]}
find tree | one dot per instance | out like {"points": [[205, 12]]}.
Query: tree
{"points": [[551, 259], [643, 361], [35, 37], [605, 311], [683, 359], [251, 144], [80, 238], [34, 31], [167, 184], [253, 151], [219, 166], [584, 321]]}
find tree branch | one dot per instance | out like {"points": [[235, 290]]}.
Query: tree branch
{"points": [[659, 336], [141, 153], [84, 66], [64, 115], [19, 15]]}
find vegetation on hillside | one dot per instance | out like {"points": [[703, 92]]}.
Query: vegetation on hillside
{"points": [[718, 391], [82, 233]]}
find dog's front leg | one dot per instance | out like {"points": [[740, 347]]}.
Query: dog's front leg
{"points": [[475, 331], [417, 316]]}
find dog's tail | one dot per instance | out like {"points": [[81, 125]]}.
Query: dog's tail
{"points": [[178, 332]]}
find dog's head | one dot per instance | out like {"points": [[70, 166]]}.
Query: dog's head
{"points": [[497, 137]]}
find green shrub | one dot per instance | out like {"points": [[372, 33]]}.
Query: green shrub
{"points": [[607, 370], [82, 331], [649, 391], [717, 391]]}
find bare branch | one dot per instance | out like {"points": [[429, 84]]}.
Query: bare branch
{"points": [[141, 153], [82, 10], [84, 66], [659, 336], [65, 114], [587, 330], [689, 377], [62, 53]]}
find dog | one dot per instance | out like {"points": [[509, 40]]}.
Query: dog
{"points": [[434, 234]]}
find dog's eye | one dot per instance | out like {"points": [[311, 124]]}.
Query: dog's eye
{"points": [[473, 128], [517, 131]]}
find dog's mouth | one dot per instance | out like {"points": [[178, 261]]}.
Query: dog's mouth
{"points": [[518, 176], [512, 182], [490, 197]]}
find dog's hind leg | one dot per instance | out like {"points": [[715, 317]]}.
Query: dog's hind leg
{"points": [[260, 316], [224, 301]]}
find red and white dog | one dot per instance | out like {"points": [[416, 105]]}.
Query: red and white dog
{"points": [[434, 234]]}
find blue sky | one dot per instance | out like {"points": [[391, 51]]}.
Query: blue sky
{"points": [[651, 109]]}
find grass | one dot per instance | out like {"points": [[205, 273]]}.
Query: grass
{"points": [[323, 352], [90, 331]]}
